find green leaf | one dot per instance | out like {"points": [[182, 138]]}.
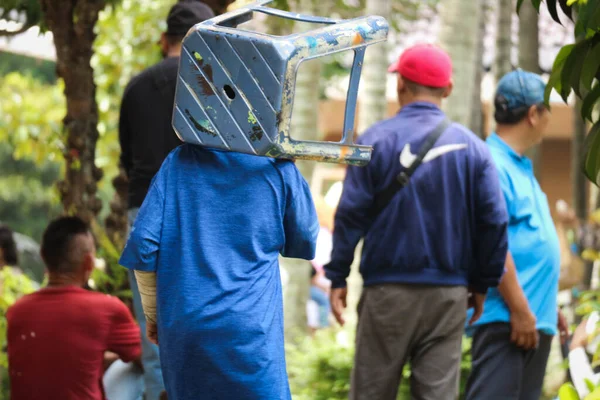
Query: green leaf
{"points": [[536, 4], [567, 392], [587, 107], [591, 157], [591, 67], [520, 4], [571, 74], [557, 68], [551, 5], [593, 22], [584, 11], [566, 9], [589, 385]]}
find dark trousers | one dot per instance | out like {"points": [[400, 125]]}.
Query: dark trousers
{"points": [[401, 323], [501, 370]]}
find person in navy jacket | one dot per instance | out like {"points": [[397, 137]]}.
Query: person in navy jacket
{"points": [[439, 244]]}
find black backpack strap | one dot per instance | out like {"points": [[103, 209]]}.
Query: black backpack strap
{"points": [[384, 197]]}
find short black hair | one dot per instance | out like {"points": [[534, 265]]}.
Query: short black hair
{"points": [[511, 116], [8, 246], [56, 242], [174, 39]]}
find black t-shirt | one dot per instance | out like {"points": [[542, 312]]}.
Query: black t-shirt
{"points": [[145, 131]]}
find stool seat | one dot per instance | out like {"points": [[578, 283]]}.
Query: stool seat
{"points": [[235, 89]]}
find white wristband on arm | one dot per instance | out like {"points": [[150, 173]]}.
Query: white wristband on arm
{"points": [[147, 286]]}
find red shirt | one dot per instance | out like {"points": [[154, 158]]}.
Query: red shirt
{"points": [[56, 343]]}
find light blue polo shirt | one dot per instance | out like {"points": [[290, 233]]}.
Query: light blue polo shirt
{"points": [[532, 240]]}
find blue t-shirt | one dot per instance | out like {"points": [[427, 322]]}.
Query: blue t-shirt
{"points": [[532, 240], [212, 227]]}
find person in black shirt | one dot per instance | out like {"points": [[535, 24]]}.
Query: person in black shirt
{"points": [[146, 138]]}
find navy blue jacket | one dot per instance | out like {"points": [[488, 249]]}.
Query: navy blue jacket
{"points": [[448, 226]]}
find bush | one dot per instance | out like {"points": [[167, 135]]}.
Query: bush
{"points": [[319, 368]]}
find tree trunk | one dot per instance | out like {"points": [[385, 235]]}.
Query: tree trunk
{"points": [[504, 43], [529, 60], [117, 222], [476, 123], [303, 127], [72, 25], [580, 184], [461, 16], [372, 106]]}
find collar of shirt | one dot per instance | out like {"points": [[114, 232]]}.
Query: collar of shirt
{"points": [[496, 142], [418, 107]]}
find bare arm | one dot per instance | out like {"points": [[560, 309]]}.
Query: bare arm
{"points": [[510, 289], [522, 320]]}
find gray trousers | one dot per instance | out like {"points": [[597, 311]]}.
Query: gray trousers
{"points": [[502, 371], [419, 324]]}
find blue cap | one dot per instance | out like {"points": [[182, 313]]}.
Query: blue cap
{"points": [[520, 89]]}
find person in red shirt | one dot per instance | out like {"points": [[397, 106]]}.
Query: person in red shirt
{"points": [[57, 336]]}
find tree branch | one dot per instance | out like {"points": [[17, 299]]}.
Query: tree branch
{"points": [[24, 28]]}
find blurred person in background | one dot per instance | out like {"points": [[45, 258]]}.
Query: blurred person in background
{"points": [[512, 339], [433, 245], [147, 137], [58, 336], [318, 307], [584, 344], [8, 248]]}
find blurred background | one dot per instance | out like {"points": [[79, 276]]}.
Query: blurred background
{"points": [[41, 173]]}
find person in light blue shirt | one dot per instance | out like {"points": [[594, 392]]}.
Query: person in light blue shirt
{"points": [[511, 340], [205, 248]]}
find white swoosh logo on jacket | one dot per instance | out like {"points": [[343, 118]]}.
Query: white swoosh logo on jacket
{"points": [[407, 158]]}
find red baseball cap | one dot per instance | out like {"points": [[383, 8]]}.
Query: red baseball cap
{"points": [[424, 64]]}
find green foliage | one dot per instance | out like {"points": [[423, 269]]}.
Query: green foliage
{"points": [[577, 69], [30, 152], [319, 368], [126, 44], [30, 9], [568, 392], [112, 278], [31, 117], [43, 71], [27, 195]]}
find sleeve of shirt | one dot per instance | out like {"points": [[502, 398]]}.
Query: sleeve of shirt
{"points": [[124, 336], [351, 222], [300, 222], [125, 135], [491, 240], [141, 249], [581, 370]]}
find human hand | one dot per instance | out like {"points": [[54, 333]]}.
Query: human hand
{"points": [[523, 331], [580, 336], [563, 327], [109, 358], [152, 332], [476, 301], [564, 213], [338, 303]]}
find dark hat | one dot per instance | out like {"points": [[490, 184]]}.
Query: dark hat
{"points": [[186, 14]]}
